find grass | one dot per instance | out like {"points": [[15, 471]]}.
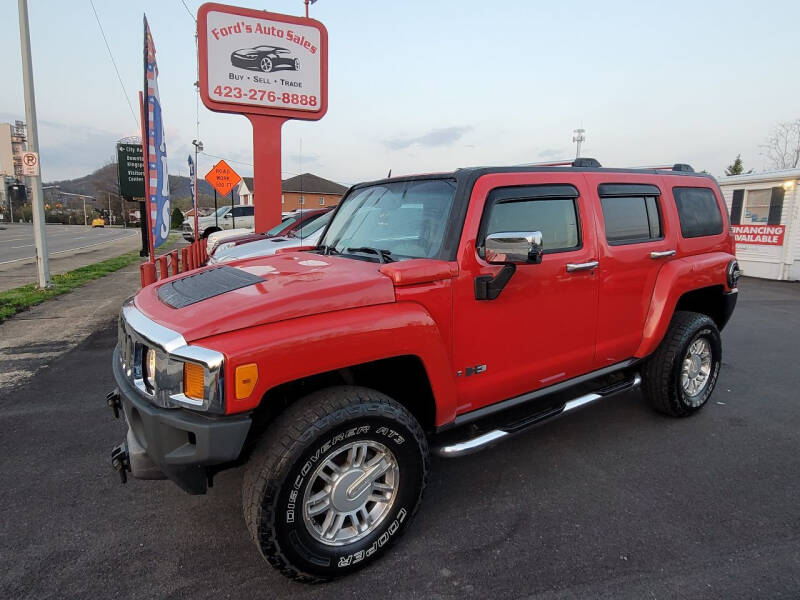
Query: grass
{"points": [[22, 298]]}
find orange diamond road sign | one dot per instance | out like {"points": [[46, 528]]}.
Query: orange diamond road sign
{"points": [[222, 178]]}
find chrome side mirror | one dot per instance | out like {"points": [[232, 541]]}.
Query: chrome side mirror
{"points": [[514, 247]]}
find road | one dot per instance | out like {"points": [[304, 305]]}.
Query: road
{"points": [[17, 243], [614, 502]]}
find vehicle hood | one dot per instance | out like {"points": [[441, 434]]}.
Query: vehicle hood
{"points": [[294, 285]]}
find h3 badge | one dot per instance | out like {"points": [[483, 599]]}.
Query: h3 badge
{"points": [[476, 370]]}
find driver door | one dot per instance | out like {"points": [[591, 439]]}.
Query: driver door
{"points": [[540, 330]]}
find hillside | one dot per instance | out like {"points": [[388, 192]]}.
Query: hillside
{"points": [[104, 180]]}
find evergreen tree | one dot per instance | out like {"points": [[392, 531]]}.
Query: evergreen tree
{"points": [[177, 218], [737, 168]]}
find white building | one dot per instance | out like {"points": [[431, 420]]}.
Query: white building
{"points": [[765, 216]]}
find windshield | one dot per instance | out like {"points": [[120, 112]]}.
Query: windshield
{"points": [[221, 211], [407, 219], [281, 226], [315, 225]]}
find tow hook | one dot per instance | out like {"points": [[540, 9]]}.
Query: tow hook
{"points": [[120, 461], [114, 403]]}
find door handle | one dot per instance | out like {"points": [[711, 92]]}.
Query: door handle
{"points": [[662, 254], [572, 267]]}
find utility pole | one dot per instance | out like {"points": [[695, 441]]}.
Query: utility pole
{"points": [[579, 137], [42, 266]]}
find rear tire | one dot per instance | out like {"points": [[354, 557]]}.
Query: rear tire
{"points": [[681, 374], [312, 502]]}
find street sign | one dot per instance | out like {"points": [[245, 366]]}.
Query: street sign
{"points": [[30, 164], [222, 178], [130, 170], [256, 62]]}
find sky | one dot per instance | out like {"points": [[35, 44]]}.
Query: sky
{"points": [[428, 86]]}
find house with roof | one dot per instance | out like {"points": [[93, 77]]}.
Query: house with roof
{"points": [[302, 191]]}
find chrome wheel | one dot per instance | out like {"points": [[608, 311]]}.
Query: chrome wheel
{"points": [[350, 493], [266, 65], [696, 371]]}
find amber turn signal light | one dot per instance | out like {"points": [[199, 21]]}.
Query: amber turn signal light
{"points": [[246, 379], [193, 384]]}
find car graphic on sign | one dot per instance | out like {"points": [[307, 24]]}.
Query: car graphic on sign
{"points": [[265, 58]]}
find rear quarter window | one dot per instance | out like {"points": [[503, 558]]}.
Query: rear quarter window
{"points": [[698, 211]]}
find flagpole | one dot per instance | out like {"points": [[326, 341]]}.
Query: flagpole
{"points": [[306, 9], [150, 248]]}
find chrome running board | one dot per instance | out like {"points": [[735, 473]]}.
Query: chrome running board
{"points": [[492, 437]]}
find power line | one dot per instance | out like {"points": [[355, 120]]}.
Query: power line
{"points": [[188, 11], [113, 62]]}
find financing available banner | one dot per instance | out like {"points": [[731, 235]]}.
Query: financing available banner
{"points": [[762, 235], [156, 147]]}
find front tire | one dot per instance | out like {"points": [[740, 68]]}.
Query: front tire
{"points": [[334, 482], [681, 374]]}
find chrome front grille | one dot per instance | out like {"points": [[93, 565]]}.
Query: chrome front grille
{"points": [[136, 334]]}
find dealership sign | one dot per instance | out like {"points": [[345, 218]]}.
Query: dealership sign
{"points": [[763, 235], [256, 62], [269, 68]]}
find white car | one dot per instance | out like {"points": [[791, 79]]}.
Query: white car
{"points": [[308, 235], [218, 237], [226, 217]]}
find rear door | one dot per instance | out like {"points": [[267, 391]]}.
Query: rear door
{"points": [[635, 240], [540, 329]]}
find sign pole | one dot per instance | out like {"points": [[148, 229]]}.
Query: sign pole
{"points": [[216, 218], [233, 216], [266, 169], [42, 266]]}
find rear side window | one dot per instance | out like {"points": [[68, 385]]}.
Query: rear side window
{"points": [[698, 211], [631, 219]]}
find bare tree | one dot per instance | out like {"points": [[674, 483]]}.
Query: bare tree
{"points": [[783, 145]]}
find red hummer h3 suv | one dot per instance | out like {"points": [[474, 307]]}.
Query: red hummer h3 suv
{"points": [[438, 313]]}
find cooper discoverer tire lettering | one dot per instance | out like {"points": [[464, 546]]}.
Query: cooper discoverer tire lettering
{"points": [[334, 482]]}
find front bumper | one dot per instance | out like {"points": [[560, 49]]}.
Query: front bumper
{"points": [[174, 443]]}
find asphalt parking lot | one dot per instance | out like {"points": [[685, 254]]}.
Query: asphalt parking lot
{"points": [[615, 502]]}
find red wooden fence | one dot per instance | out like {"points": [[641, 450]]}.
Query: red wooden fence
{"points": [[166, 265]]}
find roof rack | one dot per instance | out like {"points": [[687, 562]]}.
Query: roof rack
{"points": [[570, 162], [683, 167]]}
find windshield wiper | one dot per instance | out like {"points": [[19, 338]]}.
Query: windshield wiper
{"points": [[384, 256], [328, 250]]}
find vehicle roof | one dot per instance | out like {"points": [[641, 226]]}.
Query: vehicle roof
{"points": [[474, 173]]}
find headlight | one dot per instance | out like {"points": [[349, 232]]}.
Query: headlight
{"points": [[150, 365]]}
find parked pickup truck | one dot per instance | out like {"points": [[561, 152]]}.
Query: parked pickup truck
{"points": [[438, 313], [225, 217]]}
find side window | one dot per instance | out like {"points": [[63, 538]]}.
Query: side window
{"points": [[698, 211], [631, 219], [550, 209], [761, 207], [248, 211]]}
